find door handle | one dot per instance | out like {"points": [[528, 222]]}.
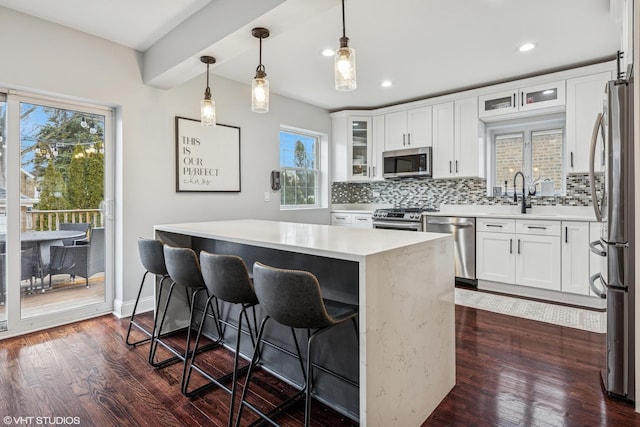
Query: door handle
{"points": [[592, 284], [522, 99], [510, 246], [404, 140], [518, 246], [409, 138], [592, 174], [572, 159], [456, 166], [450, 167]]}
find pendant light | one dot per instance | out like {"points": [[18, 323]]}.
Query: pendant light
{"points": [[345, 62], [260, 85], [207, 105]]}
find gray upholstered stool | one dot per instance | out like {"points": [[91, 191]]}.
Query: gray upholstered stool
{"points": [[152, 259], [184, 270], [227, 279], [293, 298]]}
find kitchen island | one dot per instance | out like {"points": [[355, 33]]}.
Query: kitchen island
{"points": [[403, 283]]}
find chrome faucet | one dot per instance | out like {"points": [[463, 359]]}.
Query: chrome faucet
{"points": [[523, 206]]}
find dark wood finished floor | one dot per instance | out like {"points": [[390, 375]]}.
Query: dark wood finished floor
{"points": [[510, 372]]}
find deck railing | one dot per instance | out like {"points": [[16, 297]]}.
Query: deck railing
{"points": [[38, 220]]}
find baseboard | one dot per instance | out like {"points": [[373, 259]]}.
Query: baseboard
{"points": [[124, 309]]}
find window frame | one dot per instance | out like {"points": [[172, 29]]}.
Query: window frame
{"points": [[317, 169], [526, 127]]}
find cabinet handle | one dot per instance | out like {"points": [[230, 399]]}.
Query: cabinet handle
{"points": [[369, 171], [409, 139], [521, 99], [373, 171], [514, 100], [494, 225], [404, 139], [450, 170], [572, 159], [341, 217], [362, 219], [518, 246], [536, 227], [566, 234], [510, 246], [456, 166]]}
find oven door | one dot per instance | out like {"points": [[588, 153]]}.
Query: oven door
{"points": [[398, 225]]}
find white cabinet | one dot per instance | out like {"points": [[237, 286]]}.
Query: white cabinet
{"points": [[457, 136], [356, 220], [585, 97], [622, 12], [443, 141], [355, 154], [575, 257], [408, 129], [520, 252], [524, 99]]}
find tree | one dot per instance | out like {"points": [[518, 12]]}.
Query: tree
{"points": [[52, 189], [85, 186]]}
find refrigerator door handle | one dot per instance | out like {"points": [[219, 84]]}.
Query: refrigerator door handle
{"points": [[592, 284], [598, 248], [592, 174]]}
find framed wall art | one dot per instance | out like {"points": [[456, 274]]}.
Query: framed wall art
{"points": [[207, 158]]}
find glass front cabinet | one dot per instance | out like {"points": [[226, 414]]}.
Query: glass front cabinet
{"points": [[523, 99], [360, 148]]}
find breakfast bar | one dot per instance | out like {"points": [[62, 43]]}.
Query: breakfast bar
{"points": [[403, 283]]}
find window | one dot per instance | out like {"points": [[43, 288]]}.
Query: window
{"points": [[299, 165], [534, 147]]}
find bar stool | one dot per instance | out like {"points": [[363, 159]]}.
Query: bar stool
{"points": [[184, 270], [152, 259], [293, 298], [228, 280]]}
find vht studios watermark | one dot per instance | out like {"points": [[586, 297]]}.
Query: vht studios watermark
{"points": [[41, 421]]}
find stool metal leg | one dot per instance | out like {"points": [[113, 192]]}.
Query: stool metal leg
{"points": [[135, 309]]}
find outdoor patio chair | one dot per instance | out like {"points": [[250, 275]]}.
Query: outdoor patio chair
{"points": [[79, 260], [76, 226]]}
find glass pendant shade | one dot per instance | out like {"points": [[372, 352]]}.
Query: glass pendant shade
{"points": [[345, 69], [260, 95], [207, 112]]}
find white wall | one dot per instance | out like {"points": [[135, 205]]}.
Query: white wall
{"points": [[43, 57]]}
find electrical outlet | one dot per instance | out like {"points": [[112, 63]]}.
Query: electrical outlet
{"points": [[266, 196]]}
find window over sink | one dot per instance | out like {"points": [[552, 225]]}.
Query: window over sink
{"points": [[534, 146]]}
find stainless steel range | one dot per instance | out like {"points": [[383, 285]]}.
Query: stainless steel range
{"points": [[409, 219]]}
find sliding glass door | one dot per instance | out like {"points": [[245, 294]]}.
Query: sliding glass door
{"points": [[58, 232]]}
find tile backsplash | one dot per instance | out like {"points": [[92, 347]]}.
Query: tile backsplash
{"points": [[430, 193]]}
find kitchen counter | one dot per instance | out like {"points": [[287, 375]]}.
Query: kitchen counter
{"points": [[404, 285], [551, 213]]}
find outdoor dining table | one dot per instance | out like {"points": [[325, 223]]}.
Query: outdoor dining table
{"points": [[42, 241]]}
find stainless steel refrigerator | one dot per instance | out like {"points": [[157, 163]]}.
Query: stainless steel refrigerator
{"points": [[614, 204]]}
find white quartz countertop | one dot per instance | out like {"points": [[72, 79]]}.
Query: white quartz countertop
{"points": [[551, 213], [316, 239]]}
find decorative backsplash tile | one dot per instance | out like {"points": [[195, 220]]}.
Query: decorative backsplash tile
{"points": [[430, 193]]}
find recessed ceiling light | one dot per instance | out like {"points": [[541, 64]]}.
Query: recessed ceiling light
{"points": [[386, 83], [526, 47], [328, 52]]}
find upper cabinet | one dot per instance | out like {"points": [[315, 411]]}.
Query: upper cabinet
{"points": [[524, 99], [457, 136], [408, 129], [356, 146], [585, 97], [622, 12]]}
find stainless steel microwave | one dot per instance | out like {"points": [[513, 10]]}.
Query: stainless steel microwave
{"points": [[407, 163]]}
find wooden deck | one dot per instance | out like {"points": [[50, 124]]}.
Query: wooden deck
{"points": [[64, 294]]}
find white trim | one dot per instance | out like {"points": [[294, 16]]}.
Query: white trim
{"points": [[123, 309]]}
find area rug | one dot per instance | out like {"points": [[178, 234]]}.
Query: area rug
{"points": [[572, 317]]}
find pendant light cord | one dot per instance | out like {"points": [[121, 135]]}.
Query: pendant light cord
{"points": [[344, 32]]}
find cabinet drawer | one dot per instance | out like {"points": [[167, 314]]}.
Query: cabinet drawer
{"points": [[341, 219], [538, 227], [362, 221], [496, 225]]}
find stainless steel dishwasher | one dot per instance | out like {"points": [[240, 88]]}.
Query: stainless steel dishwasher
{"points": [[464, 246]]}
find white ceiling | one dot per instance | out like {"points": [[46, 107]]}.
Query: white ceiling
{"points": [[424, 47]]}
